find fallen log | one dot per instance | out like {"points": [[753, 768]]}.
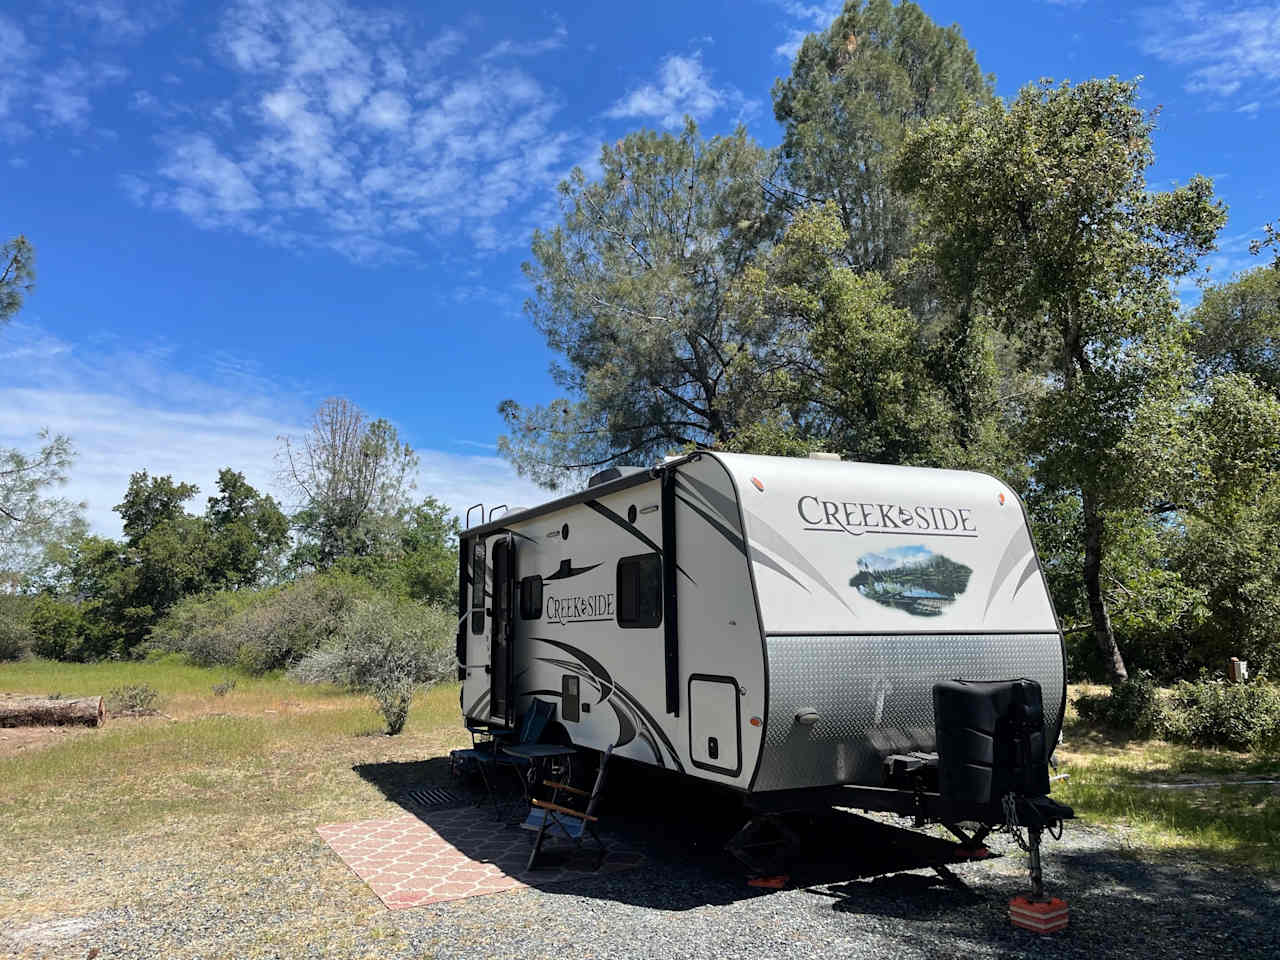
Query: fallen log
{"points": [[44, 712]]}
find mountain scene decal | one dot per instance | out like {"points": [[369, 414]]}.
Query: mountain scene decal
{"points": [[914, 579]]}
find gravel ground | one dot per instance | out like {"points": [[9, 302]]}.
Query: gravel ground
{"points": [[860, 893]]}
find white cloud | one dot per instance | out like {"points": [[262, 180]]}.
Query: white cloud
{"points": [[128, 410], [531, 48], [386, 111], [207, 186], [683, 87], [1226, 48], [36, 89], [116, 20], [62, 93], [146, 102], [444, 45], [352, 132], [16, 56], [1250, 108], [805, 18]]}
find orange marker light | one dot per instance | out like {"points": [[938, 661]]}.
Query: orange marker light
{"points": [[755, 482], [755, 721], [1002, 499]]}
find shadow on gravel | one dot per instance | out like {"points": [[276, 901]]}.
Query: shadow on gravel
{"points": [[681, 826], [1195, 907], [1122, 903], [396, 780]]}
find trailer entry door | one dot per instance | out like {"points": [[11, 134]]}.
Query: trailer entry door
{"points": [[502, 649]]}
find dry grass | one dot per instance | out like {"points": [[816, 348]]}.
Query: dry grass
{"points": [[209, 814], [185, 691], [1110, 783], [225, 793]]}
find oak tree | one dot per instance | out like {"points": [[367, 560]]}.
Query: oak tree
{"points": [[1237, 328], [1040, 212]]}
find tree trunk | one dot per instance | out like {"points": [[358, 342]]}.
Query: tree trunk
{"points": [[1102, 632], [41, 712]]}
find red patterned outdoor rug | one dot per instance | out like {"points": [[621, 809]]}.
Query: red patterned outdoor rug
{"points": [[410, 861]]}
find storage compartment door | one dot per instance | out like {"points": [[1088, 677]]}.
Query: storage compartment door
{"points": [[715, 724]]}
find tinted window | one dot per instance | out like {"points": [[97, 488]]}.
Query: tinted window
{"points": [[640, 591], [477, 587], [531, 598]]}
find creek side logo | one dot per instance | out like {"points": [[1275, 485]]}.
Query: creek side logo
{"points": [[856, 518], [590, 608]]}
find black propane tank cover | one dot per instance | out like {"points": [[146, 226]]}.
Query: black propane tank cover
{"points": [[990, 736]]}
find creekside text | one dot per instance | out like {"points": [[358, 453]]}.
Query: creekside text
{"points": [[859, 518]]}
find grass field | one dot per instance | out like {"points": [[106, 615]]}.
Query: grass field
{"points": [[238, 783], [230, 785], [266, 748], [1110, 783]]}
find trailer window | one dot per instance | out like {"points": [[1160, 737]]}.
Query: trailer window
{"points": [[640, 591], [531, 598], [477, 587]]}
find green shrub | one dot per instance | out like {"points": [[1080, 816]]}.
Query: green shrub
{"points": [[1206, 713], [299, 618], [393, 690], [136, 698], [1215, 714], [1132, 706], [198, 626], [225, 687], [387, 648], [377, 630], [261, 630], [58, 629], [15, 627]]}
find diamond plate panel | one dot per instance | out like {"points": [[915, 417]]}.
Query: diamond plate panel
{"points": [[874, 696]]}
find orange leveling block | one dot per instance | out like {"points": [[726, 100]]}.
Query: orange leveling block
{"points": [[1038, 913], [1039, 916]]}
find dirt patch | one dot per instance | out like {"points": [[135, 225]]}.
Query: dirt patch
{"points": [[52, 933], [16, 739]]}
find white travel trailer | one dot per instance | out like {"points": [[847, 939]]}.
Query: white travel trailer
{"points": [[773, 625]]}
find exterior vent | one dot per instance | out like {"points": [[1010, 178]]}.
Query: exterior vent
{"points": [[604, 476], [821, 455], [611, 473]]}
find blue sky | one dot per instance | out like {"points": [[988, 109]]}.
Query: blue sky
{"points": [[242, 208]]}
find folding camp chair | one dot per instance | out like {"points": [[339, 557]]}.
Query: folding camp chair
{"points": [[462, 759], [486, 755], [479, 757], [532, 725], [555, 817]]}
